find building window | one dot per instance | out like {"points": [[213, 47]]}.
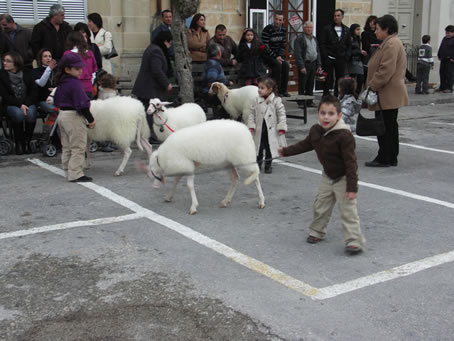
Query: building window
{"points": [[33, 11]]}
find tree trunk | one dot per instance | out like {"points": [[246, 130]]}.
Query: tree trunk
{"points": [[182, 10]]}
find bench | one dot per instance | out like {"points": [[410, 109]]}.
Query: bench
{"points": [[298, 99], [124, 85], [231, 73]]}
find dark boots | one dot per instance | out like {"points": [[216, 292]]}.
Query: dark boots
{"points": [[23, 139], [18, 129], [29, 129]]}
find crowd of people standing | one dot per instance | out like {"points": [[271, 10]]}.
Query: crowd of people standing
{"points": [[24, 89]]}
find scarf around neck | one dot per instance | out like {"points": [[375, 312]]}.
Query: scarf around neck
{"points": [[17, 83]]}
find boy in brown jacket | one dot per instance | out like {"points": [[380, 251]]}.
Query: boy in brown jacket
{"points": [[335, 147]]}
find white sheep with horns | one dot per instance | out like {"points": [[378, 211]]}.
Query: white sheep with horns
{"points": [[237, 102], [168, 120], [214, 145]]}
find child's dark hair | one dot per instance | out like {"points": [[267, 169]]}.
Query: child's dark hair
{"points": [[76, 39], [255, 43], [347, 86], [107, 81], [425, 39], [269, 83], [330, 99], [449, 28]]}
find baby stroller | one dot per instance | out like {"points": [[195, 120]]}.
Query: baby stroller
{"points": [[49, 143], [6, 145]]}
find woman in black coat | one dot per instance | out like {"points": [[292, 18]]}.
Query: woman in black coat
{"points": [[355, 64], [19, 95], [152, 80], [369, 41]]}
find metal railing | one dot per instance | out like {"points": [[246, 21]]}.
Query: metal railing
{"points": [[412, 58]]}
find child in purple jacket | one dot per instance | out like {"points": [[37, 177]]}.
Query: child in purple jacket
{"points": [[74, 106]]}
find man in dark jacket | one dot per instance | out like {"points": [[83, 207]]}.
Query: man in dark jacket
{"points": [[19, 38], [51, 32], [307, 56], [229, 47], [152, 81], [335, 49], [446, 57], [274, 36], [166, 26]]}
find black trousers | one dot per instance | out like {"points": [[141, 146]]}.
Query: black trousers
{"points": [[333, 66], [146, 103], [422, 78], [306, 81], [264, 147], [388, 144], [359, 82], [446, 75], [279, 72]]}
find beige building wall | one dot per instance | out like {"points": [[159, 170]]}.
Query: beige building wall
{"points": [[231, 13], [356, 11], [129, 21]]}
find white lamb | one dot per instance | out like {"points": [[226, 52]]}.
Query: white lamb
{"points": [[213, 144], [122, 121], [237, 102], [168, 120]]}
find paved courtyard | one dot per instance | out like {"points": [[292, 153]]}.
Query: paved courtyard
{"points": [[111, 260]]}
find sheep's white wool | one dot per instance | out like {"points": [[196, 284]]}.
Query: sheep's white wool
{"points": [[117, 120], [213, 144], [236, 101], [169, 119]]}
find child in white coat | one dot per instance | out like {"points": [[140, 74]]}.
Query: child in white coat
{"points": [[267, 122]]}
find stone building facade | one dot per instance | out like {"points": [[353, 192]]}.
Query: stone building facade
{"points": [[130, 20]]}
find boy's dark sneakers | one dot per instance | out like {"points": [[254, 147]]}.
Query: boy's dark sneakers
{"points": [[268, 170], [313, 240], [83, 178], [353, 250]]}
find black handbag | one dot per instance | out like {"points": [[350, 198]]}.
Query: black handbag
{"points": [[371, 126], [113, 53]]}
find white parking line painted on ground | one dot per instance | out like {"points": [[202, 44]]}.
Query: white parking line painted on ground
{"points": [[256, 265], [199, 238], [384, 276], [65, 226], [379, 187], [409, 145]]}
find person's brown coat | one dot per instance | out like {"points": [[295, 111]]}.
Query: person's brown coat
{"points": [[197, 45], [386, 74]]}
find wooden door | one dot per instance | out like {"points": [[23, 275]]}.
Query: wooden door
{"points": [[296, 12]]}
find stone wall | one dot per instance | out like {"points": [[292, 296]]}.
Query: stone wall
{"points": [[356, 11], [129, 21], [231, 13]]}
